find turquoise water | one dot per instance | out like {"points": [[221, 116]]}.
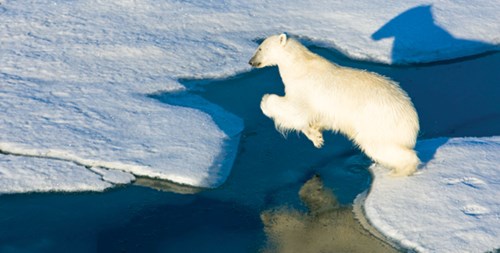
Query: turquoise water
{"points": [[454, 98]]}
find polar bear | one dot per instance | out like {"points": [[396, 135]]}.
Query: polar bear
{"points": [[371, 110]]}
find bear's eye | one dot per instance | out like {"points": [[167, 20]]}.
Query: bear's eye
{"points": [[260, 49]]}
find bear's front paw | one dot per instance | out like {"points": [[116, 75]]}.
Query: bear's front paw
{"points": [[314, 134]]}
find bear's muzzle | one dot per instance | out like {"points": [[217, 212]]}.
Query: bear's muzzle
{"points": [[254, 63]]}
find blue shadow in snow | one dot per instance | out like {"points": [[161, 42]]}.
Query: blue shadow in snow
{"points": [[416, 34], [427, 150]]}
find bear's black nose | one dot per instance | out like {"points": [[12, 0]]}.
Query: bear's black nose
{"points": [[254, 63]]}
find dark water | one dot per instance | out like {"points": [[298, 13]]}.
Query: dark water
{"points": [[454, 98]]}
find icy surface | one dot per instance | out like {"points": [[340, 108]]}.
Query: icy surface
{"points": [[28, 174], [114, 176], [76, 78], [450, 205], [109, 128]]}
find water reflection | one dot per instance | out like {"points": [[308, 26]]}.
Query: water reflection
{"points": [[325, 227]]}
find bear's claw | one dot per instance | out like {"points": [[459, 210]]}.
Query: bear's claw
{"points": [[314, 134]]}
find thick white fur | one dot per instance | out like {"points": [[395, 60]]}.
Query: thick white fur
{"points": [[371, 110]]}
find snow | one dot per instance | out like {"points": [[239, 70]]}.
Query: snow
{"points": [[19, 174], [75, 87], [107, 128], [79, 104], [450, 205]]}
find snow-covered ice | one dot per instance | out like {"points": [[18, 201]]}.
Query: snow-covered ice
{"points": [[75, 76], [28, 174], [94, 126], [75, 83], [450, 205]]}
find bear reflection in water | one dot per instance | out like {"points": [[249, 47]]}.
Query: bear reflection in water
{"points": [[326, 227]]}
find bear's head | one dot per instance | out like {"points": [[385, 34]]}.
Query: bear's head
{"points": [[269, 51]]}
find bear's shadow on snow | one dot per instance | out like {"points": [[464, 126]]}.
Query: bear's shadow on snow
{"points": [[416, 33], [470, 88], [454, 97]]}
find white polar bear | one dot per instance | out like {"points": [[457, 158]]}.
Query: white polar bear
{"points": [[371, 110]]}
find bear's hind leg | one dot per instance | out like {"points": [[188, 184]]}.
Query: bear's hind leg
{"points": [[408, 164], [402, 161]]}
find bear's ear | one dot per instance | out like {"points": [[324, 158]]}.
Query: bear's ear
{"points": [[283, 39]]}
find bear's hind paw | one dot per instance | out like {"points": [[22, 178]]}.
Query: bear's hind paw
{"points": [[402, 172]]}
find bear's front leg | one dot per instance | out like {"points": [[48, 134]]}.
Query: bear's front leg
{"points": [[265, 106], [314, 134], [287, 115]]}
